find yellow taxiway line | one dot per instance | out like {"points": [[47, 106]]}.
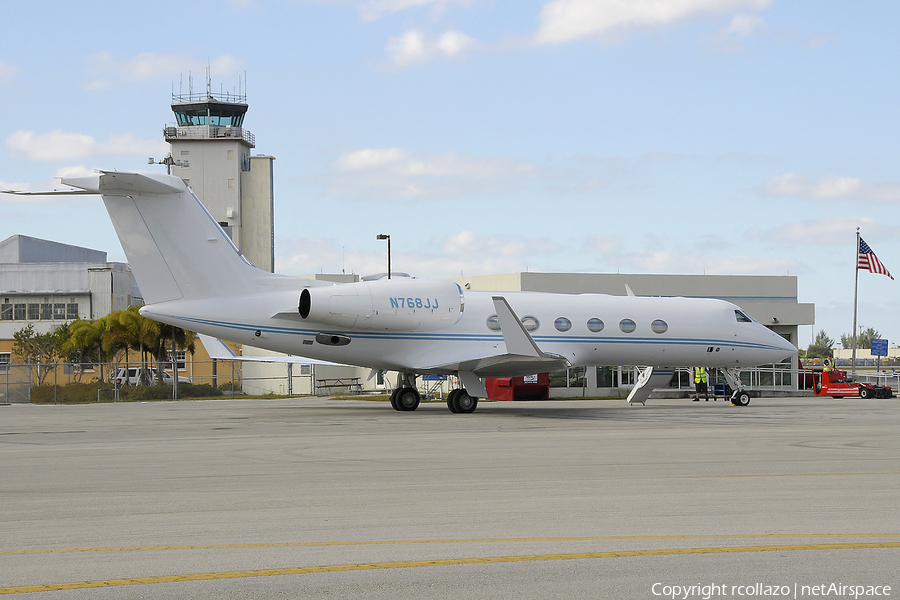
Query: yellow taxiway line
{"points": [[442, 562]]}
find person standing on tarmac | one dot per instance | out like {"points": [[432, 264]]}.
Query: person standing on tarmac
{"points": [[701, 383]]}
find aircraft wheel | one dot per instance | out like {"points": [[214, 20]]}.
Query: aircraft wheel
{"points": [[741, 398], [408, 399], [865, 393], [453, 400], [394, 399], [466, 403]]}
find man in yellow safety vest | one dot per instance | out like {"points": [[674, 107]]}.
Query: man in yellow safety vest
{"points": [[700, 383]]}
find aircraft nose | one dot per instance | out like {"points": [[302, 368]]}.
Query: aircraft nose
{"points": [[786, 348]]}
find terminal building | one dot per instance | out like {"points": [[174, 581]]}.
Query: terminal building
{"points": [[46, 284]]}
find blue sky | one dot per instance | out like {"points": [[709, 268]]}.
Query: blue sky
{"points": [[643, 136]]}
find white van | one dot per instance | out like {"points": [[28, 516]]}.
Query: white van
{"points": [[134, 376]]}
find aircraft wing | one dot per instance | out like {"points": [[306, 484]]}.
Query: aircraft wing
{"points": [[522, 356]]}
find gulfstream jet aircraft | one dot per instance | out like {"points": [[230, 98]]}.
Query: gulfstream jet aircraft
{"points": [[192, 276]]}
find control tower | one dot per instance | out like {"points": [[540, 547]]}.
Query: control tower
{"points": [[211, 151]]}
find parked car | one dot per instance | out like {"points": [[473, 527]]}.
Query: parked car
{"points": [[134, 376]]}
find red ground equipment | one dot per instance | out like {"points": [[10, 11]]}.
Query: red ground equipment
{"points": [[517, 388], [835, 384]]}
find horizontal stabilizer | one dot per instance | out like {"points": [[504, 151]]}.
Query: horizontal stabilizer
{"points": [[218, 350]]}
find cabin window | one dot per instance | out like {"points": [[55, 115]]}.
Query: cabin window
{"points": [[530, 323], [493, 323], [595, 325], [627, 325], [742, 317], [562, 324], [659, 326]]}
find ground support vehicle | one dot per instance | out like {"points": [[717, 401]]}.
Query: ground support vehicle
{"points": [[837, 385], [150, 376]]}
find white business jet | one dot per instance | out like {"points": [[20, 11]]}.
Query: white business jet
{"points": [[192, 276]]}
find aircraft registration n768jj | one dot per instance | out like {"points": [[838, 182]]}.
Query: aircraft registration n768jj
{"points": [[192, 276]]}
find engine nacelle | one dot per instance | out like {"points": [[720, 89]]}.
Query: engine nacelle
{"points": [[385, 304]]}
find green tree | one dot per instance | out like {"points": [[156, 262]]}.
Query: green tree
{"points": [[170, 340], [42, 350], [863, 340], [85, 344], [821, 346]]}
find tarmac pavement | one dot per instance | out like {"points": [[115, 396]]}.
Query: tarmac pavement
{"points": [[329, 498]]}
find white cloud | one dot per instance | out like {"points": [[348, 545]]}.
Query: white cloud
{"points": [[567, 20], [833, 230], [466, 243], [148, 65], [731, 37], [394, 172], [416, 46], [7, 71], [831, 187], [60, 145], [374, 9], [743, 26], [461, 253]]}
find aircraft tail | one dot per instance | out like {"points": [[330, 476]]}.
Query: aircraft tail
{"points": [[175, 248]]}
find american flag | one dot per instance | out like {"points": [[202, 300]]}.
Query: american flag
{"points": [[870, 262]]}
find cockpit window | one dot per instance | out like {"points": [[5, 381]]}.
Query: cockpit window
{"points": [[742, 317]]}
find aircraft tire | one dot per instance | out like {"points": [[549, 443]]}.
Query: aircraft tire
{"points": [[741, 398], [453, 400], [408, 399], [466, 403], [394, 399]]}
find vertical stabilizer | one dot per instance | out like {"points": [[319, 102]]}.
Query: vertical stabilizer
{"points": [[175, 248]]}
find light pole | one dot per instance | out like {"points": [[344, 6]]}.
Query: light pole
{"points": [[384, 236]]}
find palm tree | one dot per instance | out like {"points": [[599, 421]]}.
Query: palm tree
{"points": [[119, 335], [85, 341]]}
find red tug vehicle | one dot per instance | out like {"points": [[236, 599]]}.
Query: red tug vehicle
{"points": [[835, 384]]}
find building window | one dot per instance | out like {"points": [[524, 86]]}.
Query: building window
{"points": [[179, 358], [5, 359], [46, 312], [6, 312], [627, 326], [568, 378], [34, 312], [230, 155], [72, 311], [659, 326], [595, 325], [19, 312], [59, 312], [562, 324]]}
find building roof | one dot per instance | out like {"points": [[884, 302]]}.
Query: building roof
{"points": [[18, 249]]}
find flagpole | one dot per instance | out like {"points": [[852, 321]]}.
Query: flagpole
{"points": [[855, 296]]}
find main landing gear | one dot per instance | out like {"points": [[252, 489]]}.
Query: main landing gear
{"points": [[459, 401], [406, 397]]}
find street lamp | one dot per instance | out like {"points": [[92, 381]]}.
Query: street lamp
{"points": [[384, 236]]}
